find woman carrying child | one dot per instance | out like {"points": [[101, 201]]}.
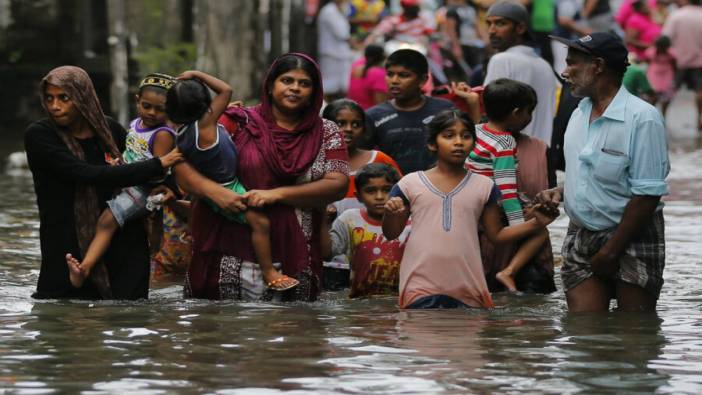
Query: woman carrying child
{"points": [[293, 164], [68, 155], [148, 137], [441, 266]]}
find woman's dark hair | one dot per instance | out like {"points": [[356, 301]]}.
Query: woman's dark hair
{"points": [[290, 62], [331, 111], [187, 101], [504, 95], [375, 55], [409, 59], [375, 170], [444, 120]]}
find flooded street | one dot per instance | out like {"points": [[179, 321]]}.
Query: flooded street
{"points": [[336, 346]]}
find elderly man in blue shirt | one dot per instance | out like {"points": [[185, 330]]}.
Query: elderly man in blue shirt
{"points": [[616, 164]]}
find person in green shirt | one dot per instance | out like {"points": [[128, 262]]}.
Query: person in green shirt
{"points": [[637, 84]]}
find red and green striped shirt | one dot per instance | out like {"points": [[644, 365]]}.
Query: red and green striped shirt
{"points": [[494, 156]]}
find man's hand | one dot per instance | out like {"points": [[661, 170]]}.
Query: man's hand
{"points": [[549, 200], [605, 263]]}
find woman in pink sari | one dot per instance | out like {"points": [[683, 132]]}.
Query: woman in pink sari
{"points": [[292, 163]]}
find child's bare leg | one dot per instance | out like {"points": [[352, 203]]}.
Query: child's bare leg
{"points": [[106, 227], [530, 247], [260, 238]]}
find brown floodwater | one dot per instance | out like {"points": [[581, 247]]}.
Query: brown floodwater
{"points": [[529, 343]]}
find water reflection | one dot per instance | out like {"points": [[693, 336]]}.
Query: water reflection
{"points": [[529, 344]]}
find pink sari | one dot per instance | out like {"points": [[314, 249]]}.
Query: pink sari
{"points": [[269, 157]]}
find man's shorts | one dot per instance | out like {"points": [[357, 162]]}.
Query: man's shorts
{"points": [[641, 263], [236, 217], [129, 203], [692, 78]]}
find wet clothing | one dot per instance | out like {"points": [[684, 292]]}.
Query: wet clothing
{"points": [[641, 264], [442, 255], [57, 174], [620, 155], [403, 134], [374, 261], [437, 302]]}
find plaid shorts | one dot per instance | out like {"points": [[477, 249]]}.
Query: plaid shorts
{"points": [[641, 263]]}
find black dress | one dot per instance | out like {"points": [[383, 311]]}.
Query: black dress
{"points": [[56, 172]]}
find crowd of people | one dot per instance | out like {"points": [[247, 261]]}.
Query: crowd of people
{"points": [[414, 157]]}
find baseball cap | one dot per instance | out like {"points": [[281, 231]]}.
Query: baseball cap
{"points": [[605, 45], [513, 11], [409, 3]]}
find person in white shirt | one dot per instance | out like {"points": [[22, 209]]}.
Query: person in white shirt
{"points": [[508, 29], [335, 55]]}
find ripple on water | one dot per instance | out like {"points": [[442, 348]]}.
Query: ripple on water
{"points": [[528, 344]]}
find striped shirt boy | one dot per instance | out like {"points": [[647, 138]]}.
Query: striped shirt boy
{"points": [[494, 156]]}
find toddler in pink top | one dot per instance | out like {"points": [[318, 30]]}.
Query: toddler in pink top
{"points": [[441, 266], [661, 70]]}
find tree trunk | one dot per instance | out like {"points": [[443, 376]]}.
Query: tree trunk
{"points": [[229, 43], [118, 60]]}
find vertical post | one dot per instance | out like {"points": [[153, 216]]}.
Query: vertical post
{"points": [[117, 41]]}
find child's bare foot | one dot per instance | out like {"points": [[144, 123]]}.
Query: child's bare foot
{"points": [[277, 281], [76, 273], [506, 280]]}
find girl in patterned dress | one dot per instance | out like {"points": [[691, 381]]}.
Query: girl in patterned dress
{"points": [[441, 265]]}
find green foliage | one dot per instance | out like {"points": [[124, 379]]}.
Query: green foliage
{"points": [[173, 59]]}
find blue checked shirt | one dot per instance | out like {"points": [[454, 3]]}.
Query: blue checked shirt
{"points": [[621, 154]]}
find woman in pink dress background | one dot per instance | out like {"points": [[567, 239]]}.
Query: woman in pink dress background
{"points": [[367, 85]]}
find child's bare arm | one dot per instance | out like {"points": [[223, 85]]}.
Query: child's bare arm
{"points": [[219, 102], [163, 143], [491, 220], [395, 218]]}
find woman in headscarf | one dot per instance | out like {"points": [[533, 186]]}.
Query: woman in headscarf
{"points": [[292, 163], [69, 155]]}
